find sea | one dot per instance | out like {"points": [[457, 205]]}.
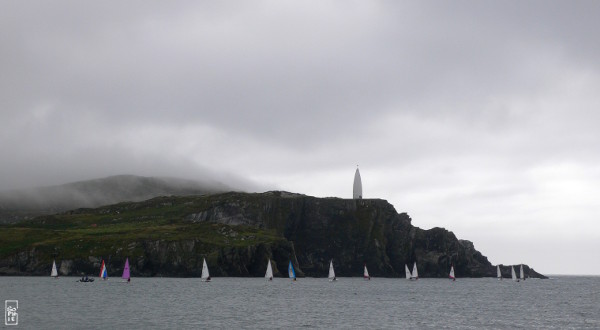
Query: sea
{"points": [[562, 302]]}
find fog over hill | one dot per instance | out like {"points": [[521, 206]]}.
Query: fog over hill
{"points": [[22, 204]]}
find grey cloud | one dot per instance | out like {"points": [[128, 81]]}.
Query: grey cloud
{"points": [[270, 89]]}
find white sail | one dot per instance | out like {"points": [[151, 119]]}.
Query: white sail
{"points": [[415, 273], [407, 271], [499, 275], [513, 274], [366, 274], [205, 276], [521, 274], [452, 272], [331, 275], [54, 271], [269, 273]]}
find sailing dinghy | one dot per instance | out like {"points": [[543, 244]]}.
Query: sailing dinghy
{"points": [[521, 274], [103, 271], [366, 273], [205, 277], [291, 271], [407, 271], [269, 273], [513, 274], [451, 276], [54, 272], [331, 275], [415, 273], [498, 274], [126, 275]]}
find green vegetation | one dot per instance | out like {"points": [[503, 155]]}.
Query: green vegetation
{"points": [[117, 228]]}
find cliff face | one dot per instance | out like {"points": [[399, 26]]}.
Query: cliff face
{"points": [[237, 233]]}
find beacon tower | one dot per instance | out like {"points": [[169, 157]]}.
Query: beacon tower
{"points": [[357, 189]]}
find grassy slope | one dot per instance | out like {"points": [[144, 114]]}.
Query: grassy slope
{"points": [[104, 230]]}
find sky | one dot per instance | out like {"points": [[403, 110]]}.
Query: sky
{"points": [[477, 116]]}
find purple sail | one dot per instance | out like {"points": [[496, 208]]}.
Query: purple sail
{"points": [[126, 270]]}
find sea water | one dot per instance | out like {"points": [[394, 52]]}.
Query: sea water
{"points": [[350, 303]]}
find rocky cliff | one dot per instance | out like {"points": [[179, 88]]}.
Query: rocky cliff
{"points": [[237, 233]]}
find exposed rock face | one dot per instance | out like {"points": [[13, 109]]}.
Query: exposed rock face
{"points": [[309, 231]]}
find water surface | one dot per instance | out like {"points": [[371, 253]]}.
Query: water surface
{"points": [[563, 302]]}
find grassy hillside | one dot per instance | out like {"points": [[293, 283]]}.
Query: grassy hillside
{"points": [[17, 205], [120, 229]]}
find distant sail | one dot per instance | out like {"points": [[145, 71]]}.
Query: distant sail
{"points": [[205, 276], [291, 272], [499, 275], [54, 272], [126, 274], [269, 273], [521, 274], [366, 273], [103, 271], [513, 275], [407, 271], [331, 275], [415, 273], [451, 275]]}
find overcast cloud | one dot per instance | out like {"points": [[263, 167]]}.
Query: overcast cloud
{"points": [[477, 116]]}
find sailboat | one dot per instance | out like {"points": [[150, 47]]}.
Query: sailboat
{"points": [[513, 274], [415, 273], [126, 275], [521, 274], [291, 272], [366, 273], [269, 273], [498, 274], [54, 272], [205, 276], [407, 271], [331, 275], [103, 271], [451, 276]]}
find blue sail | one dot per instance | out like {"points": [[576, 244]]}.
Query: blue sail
{"points": [[291, 271]]}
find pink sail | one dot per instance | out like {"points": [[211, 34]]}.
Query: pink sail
{"points": [[126, 270]]}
